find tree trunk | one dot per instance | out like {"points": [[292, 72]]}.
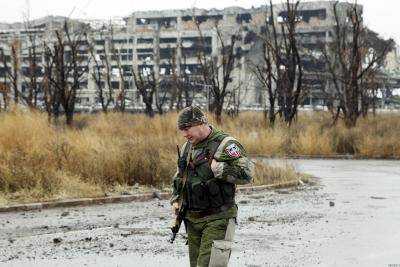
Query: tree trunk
{"points": [[149, 110], [271, 115], [69, 117], [218, 111]]}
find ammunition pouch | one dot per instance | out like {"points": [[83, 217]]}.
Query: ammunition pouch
{"points": [[211, 194]]}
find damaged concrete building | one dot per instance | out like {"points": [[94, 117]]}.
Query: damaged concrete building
{"points": [[147, 41]]}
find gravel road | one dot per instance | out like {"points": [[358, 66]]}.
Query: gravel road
{"points": [[351, 217]]}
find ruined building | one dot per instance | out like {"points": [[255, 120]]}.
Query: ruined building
{"points": [[164, 43]]}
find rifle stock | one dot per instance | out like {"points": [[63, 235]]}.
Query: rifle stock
{"points": [[176, 224]]}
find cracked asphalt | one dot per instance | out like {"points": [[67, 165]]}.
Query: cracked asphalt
{"points": [[350, 217]]}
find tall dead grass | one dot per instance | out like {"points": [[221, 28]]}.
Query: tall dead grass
{"points": [[39, 161]]}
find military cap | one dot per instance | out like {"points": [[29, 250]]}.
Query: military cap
{"points": [[191, 116]]}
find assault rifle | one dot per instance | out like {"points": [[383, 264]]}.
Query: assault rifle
{"points": [[176, 225], [180, 214]]}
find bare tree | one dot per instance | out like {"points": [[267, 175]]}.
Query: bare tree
{"points": [[4, 91], [145, 82], [217, 69], [121, 97], [102, 71], [33, 73], [11, 78], [350, 58], [266, 73], [289, 65], [70, 66], [4, 84], [155, 87], [281, 70], [177, 82], [50, 92], [185, 83]]}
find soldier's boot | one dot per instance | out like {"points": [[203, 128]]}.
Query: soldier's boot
{"points": [[221, 249]]}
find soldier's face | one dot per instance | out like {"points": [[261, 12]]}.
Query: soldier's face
{"points": [[193, 134]]}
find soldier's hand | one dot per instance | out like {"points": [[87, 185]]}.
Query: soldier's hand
{"points": [[175, 208], [217, 168]]}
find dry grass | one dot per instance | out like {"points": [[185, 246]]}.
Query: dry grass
{"points": [[107, 153], [273, 174]]}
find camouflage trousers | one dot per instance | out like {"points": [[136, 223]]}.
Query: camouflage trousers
{"points": [[202, 235]]}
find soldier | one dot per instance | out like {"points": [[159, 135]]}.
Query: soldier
{"points": [[213, 163]]}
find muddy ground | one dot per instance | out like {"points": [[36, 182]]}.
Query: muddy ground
{"points": [[351, 217]]}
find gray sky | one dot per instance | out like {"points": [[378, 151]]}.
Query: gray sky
{"points": [[380, 15]]}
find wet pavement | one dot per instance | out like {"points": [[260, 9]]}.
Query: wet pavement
{"points": [[351, 217]]}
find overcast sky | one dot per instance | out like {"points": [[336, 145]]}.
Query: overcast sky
{"points": [[380, 15]]}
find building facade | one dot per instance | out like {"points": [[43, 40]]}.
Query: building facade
{"points": [[164, 43]]}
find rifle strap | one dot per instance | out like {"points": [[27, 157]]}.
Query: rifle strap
{"points": [[187, 153]]}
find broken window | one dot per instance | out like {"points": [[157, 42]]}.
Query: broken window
{"points": [[313, 65], [144, 50], [191, 69], [187, 18], [145, 40], [82, 100], [127, 70], [126, 57], [3, 71], [319, 46], [167, 40], [142, 21], [193, 45], [263, 30], [201, 19], [120, 41], [305, 15], [100, 42], [165, 69], [82, 42], [243, 18], [114, 84], [238, 53], [312, 37], [215, 18], [30, 32], [194, 51], [26, 71], [190, 41], [146, 57], [250, 37], [83, 84], [127, 84], [167, 22], [145, 70], [145, 53], [226, 50], [167, 53], [28, 59]]}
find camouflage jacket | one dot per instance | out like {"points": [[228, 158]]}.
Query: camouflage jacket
{"points": [[213, 184]]}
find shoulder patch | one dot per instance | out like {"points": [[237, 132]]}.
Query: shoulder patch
{"points": [[233, 151]]}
